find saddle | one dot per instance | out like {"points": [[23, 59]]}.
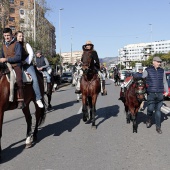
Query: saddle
{"points": [[11, 78]]}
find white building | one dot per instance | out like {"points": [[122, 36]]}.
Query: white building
{"points": [[71, 58], [142, 51]]}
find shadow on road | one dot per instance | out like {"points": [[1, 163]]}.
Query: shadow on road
{"points": [[56, 129], [106, 113], [11, 151]]}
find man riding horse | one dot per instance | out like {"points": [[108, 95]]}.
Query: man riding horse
{"points": [[90, 47]]}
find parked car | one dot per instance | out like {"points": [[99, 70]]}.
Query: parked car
{"points": [[122, 74], [67, 77], [167, 73]]}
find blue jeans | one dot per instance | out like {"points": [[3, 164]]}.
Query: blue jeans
{"points": [[48, 76], [30, 69], [155, 101]]}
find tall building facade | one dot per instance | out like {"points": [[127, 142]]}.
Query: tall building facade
{"points": [[142, 51], [19, 15], [67, 57]]}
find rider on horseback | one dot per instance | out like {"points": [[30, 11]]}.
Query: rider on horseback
{"points": [[12, 53], [28, 67], [90, 47], [42, 65]]}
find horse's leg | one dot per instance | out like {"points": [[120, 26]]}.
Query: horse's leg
{"points": [[40, 118], [93, 110], [1, 123], [28, 119], [84, 108], [134, 120], [49, 101], [127, 114]]}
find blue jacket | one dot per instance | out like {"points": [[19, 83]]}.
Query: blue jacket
{"points": [[155, 80], [137, 75]]}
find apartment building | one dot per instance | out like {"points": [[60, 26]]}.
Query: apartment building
{"points": [[142, 51], [67, 57], [19, 15]]}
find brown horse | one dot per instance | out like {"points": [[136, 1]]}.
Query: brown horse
{"points": [[134, 96], [29, 96], [90, 87]]}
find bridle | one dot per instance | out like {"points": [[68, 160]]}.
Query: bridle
{"points": [[140, 87]]}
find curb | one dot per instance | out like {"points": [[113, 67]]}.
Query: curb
{"points": [[62, 85]]}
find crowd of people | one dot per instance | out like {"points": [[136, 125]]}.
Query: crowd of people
{"points": [[20, 55]]}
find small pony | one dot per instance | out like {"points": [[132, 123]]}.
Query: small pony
{"points": [[29, 96], [90, 87], [134, 96]]}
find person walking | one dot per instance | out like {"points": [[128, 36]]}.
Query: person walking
{"points": [[28, 66], [157, 83], [12, 53], [42, 65]]}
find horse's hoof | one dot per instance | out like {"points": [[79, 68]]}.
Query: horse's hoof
{"points": [[94, 127], [27, 146], [49, 106], [84, 119]]}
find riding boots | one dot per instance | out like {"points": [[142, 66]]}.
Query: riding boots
{"points": [[148, 122], [20, 96], [158, 129]]}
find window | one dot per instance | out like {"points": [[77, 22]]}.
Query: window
{"points": [[12, 19], [11, 1], [12, 10], [21, 3], [22, 12]]}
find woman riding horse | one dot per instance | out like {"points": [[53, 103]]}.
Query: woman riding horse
{"points": [[89, 86], [90, 47]]}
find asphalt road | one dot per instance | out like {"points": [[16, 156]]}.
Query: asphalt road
{"points": [[66, 142]]}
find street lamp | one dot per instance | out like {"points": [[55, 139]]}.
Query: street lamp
{"points": [[34, 21], [60, 36], [151, 37], [71, 44]]}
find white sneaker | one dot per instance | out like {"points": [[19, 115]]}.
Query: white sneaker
{"points": [[40, 104]]}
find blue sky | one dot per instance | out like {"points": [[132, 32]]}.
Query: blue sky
{"points": [[109, 24]]}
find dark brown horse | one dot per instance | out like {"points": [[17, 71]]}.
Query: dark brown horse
{"points": [[90, 87], [29, 96], [134, 96]]}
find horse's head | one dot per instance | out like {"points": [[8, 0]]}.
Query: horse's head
{"points": [[3, 69], [87, 63], [140, 88]]}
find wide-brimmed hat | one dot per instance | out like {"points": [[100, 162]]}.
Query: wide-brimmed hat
{"points": [[88, 43], [140, 68], [157, 59]]}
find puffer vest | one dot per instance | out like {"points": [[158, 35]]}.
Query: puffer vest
{"points": [[40, 61], [155, 80], [9, 52]]}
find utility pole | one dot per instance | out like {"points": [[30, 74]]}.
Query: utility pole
{"points": [[34, 21]]}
